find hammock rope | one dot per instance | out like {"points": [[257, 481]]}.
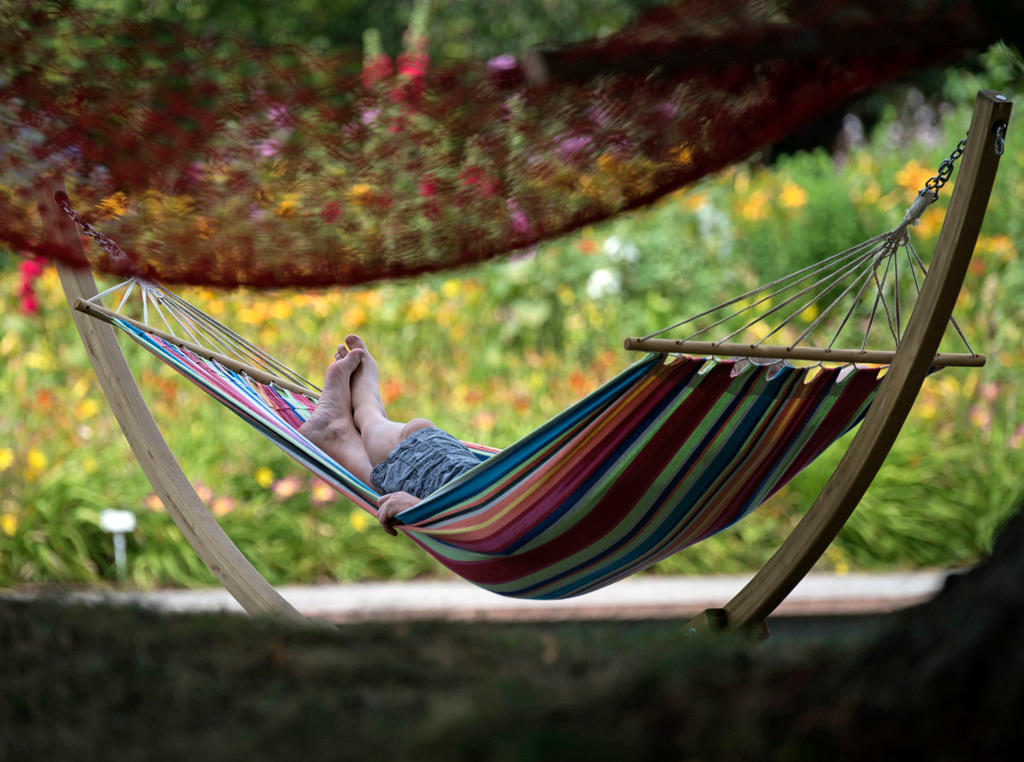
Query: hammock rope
{"points": [[874, 261]]}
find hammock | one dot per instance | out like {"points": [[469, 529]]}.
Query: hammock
{"points": [[658, 458], [228, 163], [668, 452]]}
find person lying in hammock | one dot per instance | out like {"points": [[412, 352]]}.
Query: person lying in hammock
{"points": [[404, 461]]}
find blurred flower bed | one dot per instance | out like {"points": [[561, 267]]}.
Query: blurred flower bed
{"points": [[491, 352]]}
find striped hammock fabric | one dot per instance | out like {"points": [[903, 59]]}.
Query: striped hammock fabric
{"points": [[658, 458]]}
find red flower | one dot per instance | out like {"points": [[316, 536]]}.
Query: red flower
{"points": [[29, 305], [413, 65], [412, 69], [331, 212], [428, 187], [30, 270], [376, 70], [474, 177]]}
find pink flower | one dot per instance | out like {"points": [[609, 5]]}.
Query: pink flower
{"points": [[504, 71], [666, 110], [518, 220], [573, 147], [269, 148], [279, 116], [287, 487]]}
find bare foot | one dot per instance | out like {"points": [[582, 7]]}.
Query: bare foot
{"points": [[367, 405], [331, 427]]}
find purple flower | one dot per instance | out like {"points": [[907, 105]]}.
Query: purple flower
{"points": [[666, 110], [518, 220], [573, 147], [599, 115], [279, 116], [503, 63], [504, 70], [269, 148], [370, 116]]}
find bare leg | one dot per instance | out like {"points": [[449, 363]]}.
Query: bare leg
{"points": [[331, 427], [380, 435]]}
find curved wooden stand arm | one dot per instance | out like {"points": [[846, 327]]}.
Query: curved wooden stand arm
{"points": [[189, 512], [897, 393]]}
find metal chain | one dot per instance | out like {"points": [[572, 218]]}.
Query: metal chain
{"points": [[945, 168], [105, 242]]}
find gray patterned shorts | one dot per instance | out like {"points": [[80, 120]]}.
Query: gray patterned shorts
{"points": [[422, 463]]}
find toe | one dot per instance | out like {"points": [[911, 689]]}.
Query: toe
{"points": [[339, 371], [354, 342]]}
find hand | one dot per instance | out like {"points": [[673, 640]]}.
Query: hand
{"points": [[390, 505]]}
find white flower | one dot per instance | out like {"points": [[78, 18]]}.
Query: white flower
{"points": [[603, 282]]}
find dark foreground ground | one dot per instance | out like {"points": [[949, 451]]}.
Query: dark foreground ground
{"points": [[944, 680]]}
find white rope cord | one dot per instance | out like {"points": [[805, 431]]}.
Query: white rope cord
{"points": [[846, 277], [924, 270], [124, 297], [806, 272], [226, 337], [864, 279], [866, 270], [830, 281]]}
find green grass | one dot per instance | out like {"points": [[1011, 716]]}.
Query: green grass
{"points": [[942, 681]]}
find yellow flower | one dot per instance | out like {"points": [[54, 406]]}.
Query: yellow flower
{"points": [[913, 176], [1000, 245], [792, 196], [9, 524], [360, 193], [288, 206], [6, 458], [695, 201], [280, 310], [450, 288], [755, 207], [264, 477], [36, 459], [357, 518], [930, 223], [114, 206], [354, 317], [87, 408], [205, 227], [681, 155], [810, 313]]}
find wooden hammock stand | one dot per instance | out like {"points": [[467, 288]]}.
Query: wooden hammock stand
{"points": [[874, 438]]}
